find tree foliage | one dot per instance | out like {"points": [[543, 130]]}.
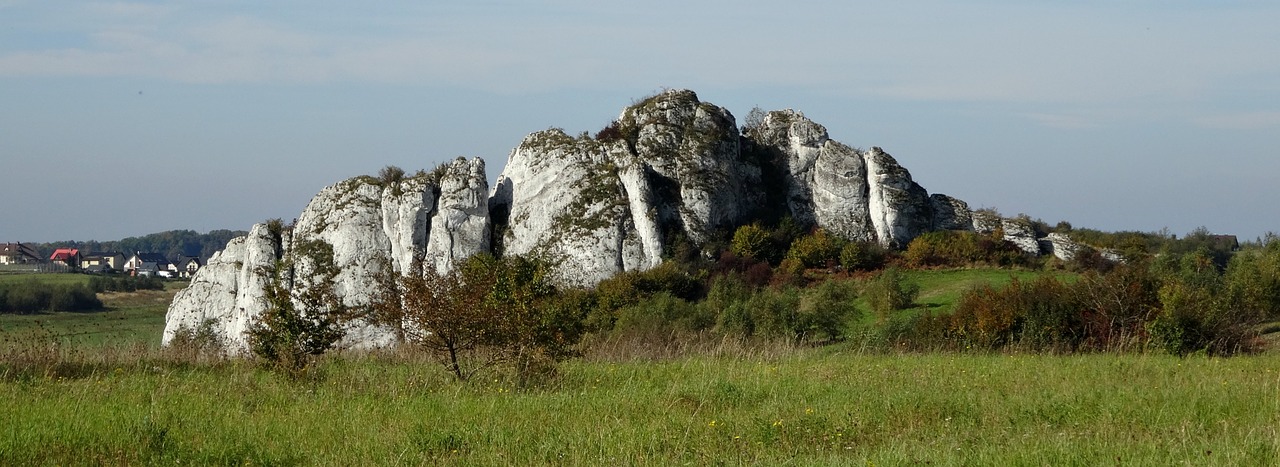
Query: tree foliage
{"points": [[304, 315], [485, 312]]}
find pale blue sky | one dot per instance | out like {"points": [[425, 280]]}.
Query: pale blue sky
{"points": [[125, 118]]}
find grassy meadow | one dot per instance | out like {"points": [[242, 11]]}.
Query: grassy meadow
{"points": [[107, 395], [130, 319]]}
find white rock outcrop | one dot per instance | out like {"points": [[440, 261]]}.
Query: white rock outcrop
{"points": [[227, 293], [369, 224], [565, 199], [1020, 233], [460, 226], [603, 206], [671, 170], [858, 195], [1061, 246]]}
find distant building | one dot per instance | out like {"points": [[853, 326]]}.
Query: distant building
{"points": [[186, 267], [146, 264], [1225, 242], [103, 261], [17, 253], [69, 257]]}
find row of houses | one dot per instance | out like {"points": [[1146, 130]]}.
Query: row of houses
{"points": [[139, 263]]}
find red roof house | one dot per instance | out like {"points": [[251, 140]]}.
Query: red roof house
{"points": [[66, 257]]}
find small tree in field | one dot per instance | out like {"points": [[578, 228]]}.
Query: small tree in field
{"points": [[484, 312], [304, 315]]}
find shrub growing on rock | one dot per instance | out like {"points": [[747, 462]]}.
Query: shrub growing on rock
{"points": [[304, 316]]}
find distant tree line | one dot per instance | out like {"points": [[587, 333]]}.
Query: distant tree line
{"points": [[173, 244]]}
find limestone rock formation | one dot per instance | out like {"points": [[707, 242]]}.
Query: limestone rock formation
{"points": [[565, 199], [370, 224], [858, 195], [950, 213], [1061, 246], [227, 293], [460, 226], [670, 171], [671, 167]]}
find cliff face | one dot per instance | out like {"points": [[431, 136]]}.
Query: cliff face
{"points": [[858, 195], [370, 224], [670, 170], [227, 293]]}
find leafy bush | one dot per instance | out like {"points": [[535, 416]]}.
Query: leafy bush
{"points": [[818, 249], [1117, 305], [889, 291], [824, 310], [861, 256], [304, 316], [773, 312], [486, 312], [1041, 314], [632, 287], [959, 248], [102, 284], [202, 341], [727, 299], [790, 272], [662, 316], [752, 242]]}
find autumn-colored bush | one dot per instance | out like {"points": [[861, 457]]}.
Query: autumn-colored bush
{"points": [[816, 250]]}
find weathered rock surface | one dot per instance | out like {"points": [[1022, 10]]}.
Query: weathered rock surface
{"points": [[950, 213], [565, 199], [227, 293], [431, 218], [602, 206], [858, 195], [460, 227], [1060, 246]]}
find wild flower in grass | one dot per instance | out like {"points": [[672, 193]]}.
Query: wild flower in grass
{"points": [[777, 423], [712, 424], [808, 411]]}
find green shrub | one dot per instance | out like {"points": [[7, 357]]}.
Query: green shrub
{"points": [[773, 312], [34, 296], [727, 300], [823, 311], [1051, 314], [752, 242], [1116, 306], [861, 256], [1041, 314], [304, 315], [959, 248], [889, 291], [75, 297], [816, 250], [662, 316], [790, 272]]}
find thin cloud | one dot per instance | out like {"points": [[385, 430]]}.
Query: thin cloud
{"points": [[1241, 121], [1062, 122]]}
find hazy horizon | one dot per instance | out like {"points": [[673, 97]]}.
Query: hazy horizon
{"points": [[123, 119]]}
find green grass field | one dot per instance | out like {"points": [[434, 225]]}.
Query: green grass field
{"points": [[108, 396], [810, 407], [131, 318]]}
